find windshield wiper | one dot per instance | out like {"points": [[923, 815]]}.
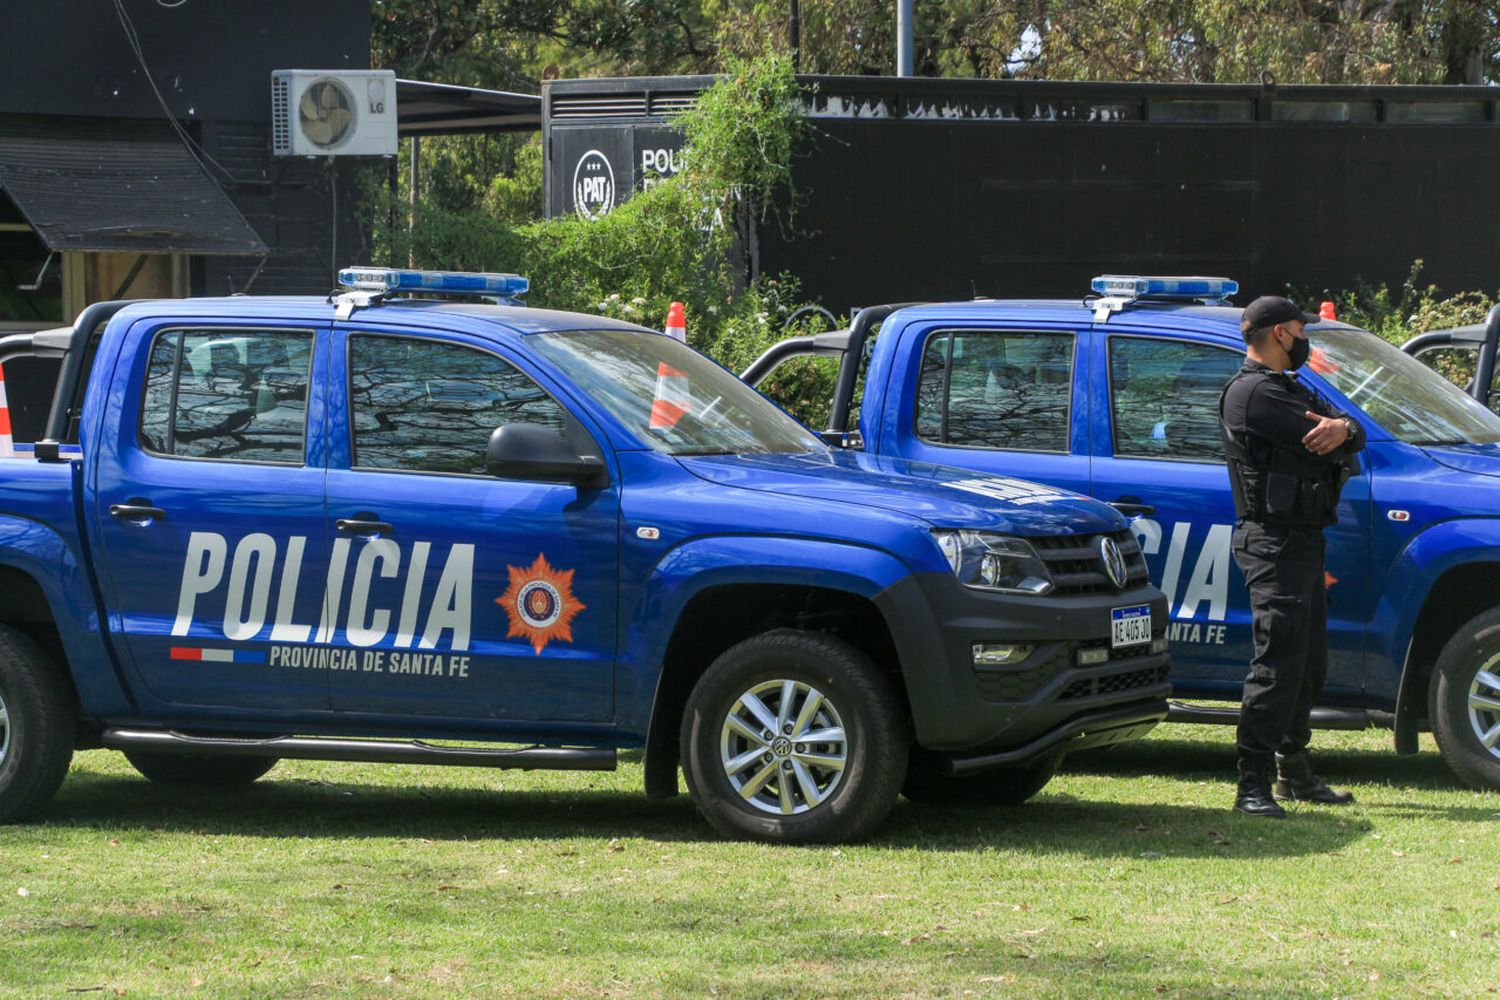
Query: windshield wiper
{"points": [[1439, 442], [695, 452]]}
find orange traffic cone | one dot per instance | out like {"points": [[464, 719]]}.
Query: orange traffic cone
{"points": [[7, 443], [671, 400], [1326, 311], [677, 322]]}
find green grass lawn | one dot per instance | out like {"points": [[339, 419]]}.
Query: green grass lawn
{"points": [[1127, 876]]}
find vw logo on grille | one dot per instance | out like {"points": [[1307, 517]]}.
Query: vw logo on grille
{"points": [[1114, 562]]}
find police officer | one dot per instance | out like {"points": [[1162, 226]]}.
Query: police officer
{"points": [[1289, 455]]}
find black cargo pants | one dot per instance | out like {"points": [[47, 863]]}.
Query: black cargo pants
{"points": [[1283, 570]]}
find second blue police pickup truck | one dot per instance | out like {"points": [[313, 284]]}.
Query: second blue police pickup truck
{"points": [[267, 528], [1116, 395]]}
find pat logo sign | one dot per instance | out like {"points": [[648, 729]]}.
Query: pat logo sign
{"points": [[256, 580], [540, 604], [593, 185]]}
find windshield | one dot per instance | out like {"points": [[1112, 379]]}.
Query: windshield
{"points": [[1411, 401], [671, 397]]}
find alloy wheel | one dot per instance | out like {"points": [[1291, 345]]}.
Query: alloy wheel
{"points": [[1484, 706], [783, 747]]}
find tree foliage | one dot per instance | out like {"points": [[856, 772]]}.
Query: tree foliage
{"points": [[513, 44], [1194, 41]]}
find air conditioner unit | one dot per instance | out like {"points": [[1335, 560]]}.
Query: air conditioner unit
{"points": [[333, 112]]}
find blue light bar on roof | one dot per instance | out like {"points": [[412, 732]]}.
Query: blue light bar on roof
{"points": [[389, 279], [1135, 286]]}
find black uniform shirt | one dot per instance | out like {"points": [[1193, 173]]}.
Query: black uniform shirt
{"points": [[1266, 409], [1271, 406]]}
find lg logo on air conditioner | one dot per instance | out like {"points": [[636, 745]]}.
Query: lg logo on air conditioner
{"points": [[593, 185]]}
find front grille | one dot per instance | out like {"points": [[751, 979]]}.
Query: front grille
{"points": [[1078, 568], [1007, 684], [1078, 689], [1131, 680]]}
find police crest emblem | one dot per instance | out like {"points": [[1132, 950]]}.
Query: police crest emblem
{"points": [[540, 604]]}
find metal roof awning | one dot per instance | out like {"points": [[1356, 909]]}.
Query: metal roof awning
{"points": [[122, 187], [444, 109]]}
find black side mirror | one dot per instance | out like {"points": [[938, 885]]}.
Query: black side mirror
{"points": [[530, 451]]}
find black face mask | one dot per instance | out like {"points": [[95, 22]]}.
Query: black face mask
{"points": [[1298, 353]]}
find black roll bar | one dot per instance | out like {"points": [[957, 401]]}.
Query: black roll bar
{"points": [[67, 398], [1486, 335], [859, 332], [1484, 371], [833, 344]]}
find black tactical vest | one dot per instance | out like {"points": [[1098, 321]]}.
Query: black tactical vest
{"points": [[1277, 485]]}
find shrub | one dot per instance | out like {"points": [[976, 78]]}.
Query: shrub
{"points": [[1399, 316], [1416, 308]]}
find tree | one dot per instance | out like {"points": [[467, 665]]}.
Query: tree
{"points": [[510, 44], [1195, 41]]}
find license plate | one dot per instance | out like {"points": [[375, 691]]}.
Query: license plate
{"points": [[1130, 626]]}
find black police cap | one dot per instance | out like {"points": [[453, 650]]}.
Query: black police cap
{"points": [[1268, 310]]}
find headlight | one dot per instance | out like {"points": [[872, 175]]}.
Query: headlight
{"points": [[994, 562]]}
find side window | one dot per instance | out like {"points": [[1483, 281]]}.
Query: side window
{"points": [[233, 395], [991, 389], [424, 406], [1164, 398]]}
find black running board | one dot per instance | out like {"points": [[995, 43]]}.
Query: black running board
{"points": [[374, 751], [1322, 718]]}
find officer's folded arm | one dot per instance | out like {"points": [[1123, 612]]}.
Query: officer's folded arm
{"points": [[1279, 415]]}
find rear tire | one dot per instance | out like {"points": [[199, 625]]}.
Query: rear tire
{"points": [[37, 724], [1464, 702], [198, 770], [748, 770], [928, 784]]}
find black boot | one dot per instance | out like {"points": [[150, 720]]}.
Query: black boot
{"points": [[1253, 794], [1295, 781]]}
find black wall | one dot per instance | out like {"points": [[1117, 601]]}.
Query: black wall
{"points": [[893, 211], [212, 61]]}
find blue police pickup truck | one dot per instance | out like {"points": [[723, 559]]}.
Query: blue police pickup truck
{"points": [[1116, 395], [264, 528]]}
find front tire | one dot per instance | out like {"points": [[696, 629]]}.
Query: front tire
{"points": [[1464, 702], [928, 784], [198, 771], [36, 726], [794, 737]]}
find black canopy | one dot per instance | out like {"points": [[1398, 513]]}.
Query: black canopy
{"points": [[125, 187]]}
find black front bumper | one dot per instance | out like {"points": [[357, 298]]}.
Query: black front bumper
{"points": [[981, 717]]}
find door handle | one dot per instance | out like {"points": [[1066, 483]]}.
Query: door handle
{"points": [[358, 526], [1132, 507], [136, 512]]}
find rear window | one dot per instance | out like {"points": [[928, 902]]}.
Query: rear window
{"points": [[230, 395], [1008, 390]]}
